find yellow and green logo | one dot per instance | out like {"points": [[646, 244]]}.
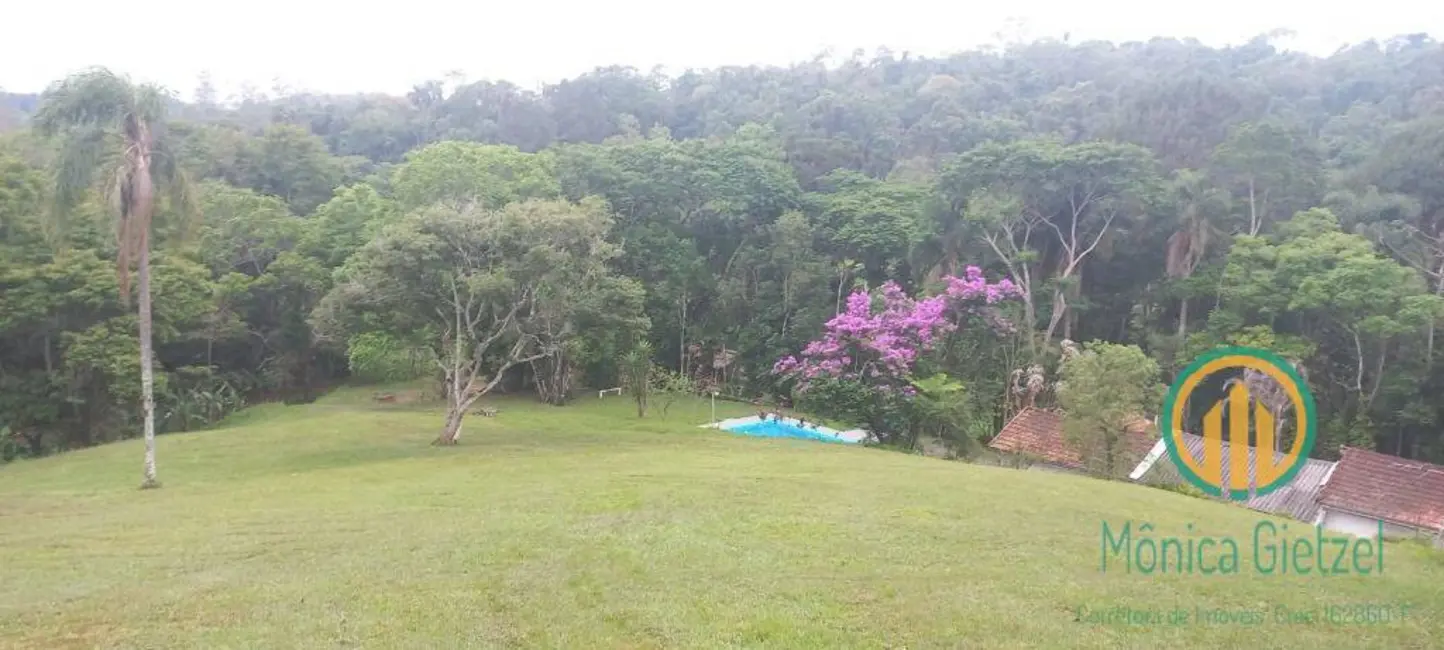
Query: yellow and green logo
{"points": [[1205, 467]]}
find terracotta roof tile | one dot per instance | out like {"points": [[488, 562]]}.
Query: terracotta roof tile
{"points": [[1039, 433], [1398, 490]]}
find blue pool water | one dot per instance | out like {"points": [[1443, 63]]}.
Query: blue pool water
{"points": [[773, 429]]}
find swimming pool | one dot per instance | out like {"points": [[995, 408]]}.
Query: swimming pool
{"points": [[787, 428]]}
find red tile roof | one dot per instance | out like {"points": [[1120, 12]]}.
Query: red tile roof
{"points": [[1397, 490], [1039, 433]]}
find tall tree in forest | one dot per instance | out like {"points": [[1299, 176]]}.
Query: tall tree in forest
{"points": [[1042, 205], [1198, 209], [1404, 208], [113, 137], [1274, 169]]}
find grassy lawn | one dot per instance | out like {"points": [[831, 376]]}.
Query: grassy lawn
{"points": [[335, 524]]}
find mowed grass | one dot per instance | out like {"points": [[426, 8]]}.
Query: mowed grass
{"points": [[336, 525]]}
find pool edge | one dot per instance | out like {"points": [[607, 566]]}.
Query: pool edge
{"points": [[850, 436]]}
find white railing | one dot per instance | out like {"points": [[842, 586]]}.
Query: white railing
{"points": [[615, 391]]}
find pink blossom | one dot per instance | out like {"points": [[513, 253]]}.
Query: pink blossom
{"points": [[881, 348], [785, 364]]}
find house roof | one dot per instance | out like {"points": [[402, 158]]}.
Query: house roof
{"points": [[1396, 490], [1039, 433], [1297, 498]]}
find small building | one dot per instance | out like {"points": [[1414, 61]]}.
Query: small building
{"points": [[1037, 435], [1297, 499], [1368, 487], [1350, 496]]}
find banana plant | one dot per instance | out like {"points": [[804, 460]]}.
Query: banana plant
{"points": [[945, 410]]}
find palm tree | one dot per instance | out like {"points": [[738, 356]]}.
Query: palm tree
{"points": [[1198, 205], [112, 137]]}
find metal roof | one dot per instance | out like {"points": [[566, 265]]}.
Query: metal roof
{"points": [[1297, 499]]}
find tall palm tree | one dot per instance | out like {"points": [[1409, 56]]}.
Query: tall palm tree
{"points": [[112, 138], [1199, 206]]}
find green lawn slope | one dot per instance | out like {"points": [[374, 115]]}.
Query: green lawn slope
{"points": [[335, 525]]}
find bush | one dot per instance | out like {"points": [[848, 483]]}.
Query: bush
{"points": [[382, 358], [195, 399], [636, 367], [9, 448], [1188, 489], [885, 415], [670, 385]]}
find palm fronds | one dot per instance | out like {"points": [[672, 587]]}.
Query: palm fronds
{"points": [[94, 98], [112, 139]]}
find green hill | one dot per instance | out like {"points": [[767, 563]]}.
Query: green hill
{"points": [[336, 525]]}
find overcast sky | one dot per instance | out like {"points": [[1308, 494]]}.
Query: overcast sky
{"points": [[336, 46]]}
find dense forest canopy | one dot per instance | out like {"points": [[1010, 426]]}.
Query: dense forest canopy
{"points": [[1165, 195]]}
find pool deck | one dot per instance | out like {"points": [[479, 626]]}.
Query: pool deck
{"points": [[854, 435]]}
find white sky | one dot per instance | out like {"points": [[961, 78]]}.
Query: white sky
{"points": [[334, 46]]}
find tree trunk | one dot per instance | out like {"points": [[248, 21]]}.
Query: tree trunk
{"points": [[1429, 345], [1183, 319], [553, 378], [541, 382], [451, 432], [1359, 374], [682, 342], [1438, 291], [147, 381], [1253, 221], [36, 442], [786, 301], [1030, 316], [141, 209], [1060, 308], [1279, 430]]}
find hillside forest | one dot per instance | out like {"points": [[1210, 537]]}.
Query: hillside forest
{"points": [[921, 245]]}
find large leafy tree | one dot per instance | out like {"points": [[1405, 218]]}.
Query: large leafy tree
{"points": [[481, 291], [290, 163], [872, 221], [458, 173], [244, 231], [1044, 207], [345, 223], [1361, 311], [1273, 167], [1404, 207], [112, 138], [1105, 389]]}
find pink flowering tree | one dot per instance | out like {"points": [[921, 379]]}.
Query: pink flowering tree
{"points": [[862, 365]]}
